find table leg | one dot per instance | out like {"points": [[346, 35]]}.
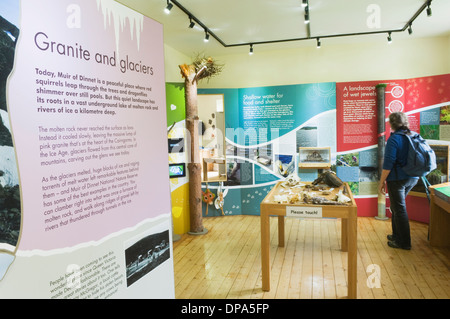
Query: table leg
{"points": [[352, 253], [281, 231], [344, 234], [265, 258]]}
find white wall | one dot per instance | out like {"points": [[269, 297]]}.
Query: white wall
{"points": [[375, 60], [173, 59]]}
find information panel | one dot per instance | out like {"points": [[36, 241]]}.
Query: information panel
{"points": [[86, 108]]}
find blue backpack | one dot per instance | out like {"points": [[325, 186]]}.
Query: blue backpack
{"points": [[421, 157]]}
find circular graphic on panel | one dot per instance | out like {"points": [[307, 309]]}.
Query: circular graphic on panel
{"points": [[397, 92], [395, 106]]}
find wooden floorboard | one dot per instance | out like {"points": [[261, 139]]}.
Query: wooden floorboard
{"points": [[226, 262]]}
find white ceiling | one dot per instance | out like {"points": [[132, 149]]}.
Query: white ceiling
{"points": [[250, 21]]}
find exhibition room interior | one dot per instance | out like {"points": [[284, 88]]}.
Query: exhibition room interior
{"points": [[288, 93]]}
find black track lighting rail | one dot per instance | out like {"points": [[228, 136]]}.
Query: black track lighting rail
{"points": [[192, 17]]}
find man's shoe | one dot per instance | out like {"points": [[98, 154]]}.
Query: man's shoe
{"points": [[390, 237]]}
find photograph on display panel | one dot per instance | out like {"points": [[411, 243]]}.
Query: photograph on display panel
{"points": [[145, 255]]}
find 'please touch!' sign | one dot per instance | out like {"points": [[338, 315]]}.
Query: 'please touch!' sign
{"points": [[304, 212]]}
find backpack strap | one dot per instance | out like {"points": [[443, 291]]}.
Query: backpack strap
{"points": [[401, 132], [427, 184]]}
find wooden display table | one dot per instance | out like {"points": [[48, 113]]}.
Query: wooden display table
{"points": [[348, 214], [439, 228]]}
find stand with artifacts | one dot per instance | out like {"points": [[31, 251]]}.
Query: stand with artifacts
{"points": [[327, 196]]}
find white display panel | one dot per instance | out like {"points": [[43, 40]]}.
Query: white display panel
{"points": [[86, 102]]}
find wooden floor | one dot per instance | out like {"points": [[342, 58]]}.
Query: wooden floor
{"points": [[226, 262]]}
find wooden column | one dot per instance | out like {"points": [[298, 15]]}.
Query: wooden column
{"points": [[194, 165]]}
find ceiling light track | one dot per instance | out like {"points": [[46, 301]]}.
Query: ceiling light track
{"points": [[314, 38], [426, 6], [194, 18]]}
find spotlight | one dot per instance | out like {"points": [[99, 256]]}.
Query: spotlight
{"points": [[318, 43], [306, 18], [306, 15], [191, 25], [429, 13], [251, 49], [206, 36], [304, 3], [389, 38], [168, 8], [410, 31]]}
